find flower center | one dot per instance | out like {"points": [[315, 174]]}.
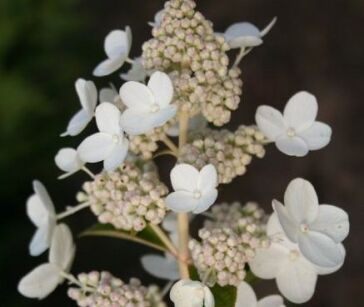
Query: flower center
{"points": [[154, 108], [197, 194], [115, 138], [304, 228], [294, 254], [291, 132]]}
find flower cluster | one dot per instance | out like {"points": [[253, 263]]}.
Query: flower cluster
{"points": [[228, 243], [229, 152], [185, 45], [103, 289], [128, 198]]}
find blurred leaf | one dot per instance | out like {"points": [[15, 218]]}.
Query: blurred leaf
{"points": [[224, 296], [146, 237]]}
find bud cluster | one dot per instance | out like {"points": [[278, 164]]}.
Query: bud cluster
{"points": [[230, 152], [127, 198], [104, 290], [228, 242], [185, 45]]}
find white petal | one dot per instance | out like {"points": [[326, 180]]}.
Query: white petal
{"points": [[245, 296], [87, 93], [290, 227], [96, 147], [181, 202], [301, 201], [67, 160], [292, 146], [320, 249], [207, 199], [269, 27], [170, 222], [108, 95], [137, 96], [160, 267], [270, 121], [317, 136], [108, 118], [301, 111], [208, 178], [162, 88], [40, 282], [117, 155], [42, 192], [271, 301], [62, 249], [136, 73], [333, 222], [209, 300], [42, 238], [109, 66], [326, 271], [77, 123], [184, 177], [273, 225], [37, 211], [116, 44], [243, 34], [297, 280], [267, 261]]}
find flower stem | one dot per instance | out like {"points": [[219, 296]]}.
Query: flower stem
{"points": [[88, 172], [72, 210], [243, 52], [169, 143], [183, 221], [165, 239]]}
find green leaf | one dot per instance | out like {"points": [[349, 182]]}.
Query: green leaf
{"points": [[146, 237], [224, 296]]}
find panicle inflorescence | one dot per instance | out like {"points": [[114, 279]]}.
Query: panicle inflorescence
{"points": [[228, 242], [230, 152], [185, 46], [127, 198], [103, 289]]}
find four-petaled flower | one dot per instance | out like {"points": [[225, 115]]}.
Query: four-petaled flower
{"points": [[87, 94], [195, 191], [245, 34], [108, 145], [117, 47], [188, 293], [40, 210], [42, 281], [317, 229], [296, 131], [68, 160], [149, 106], [295, 276], [246, 298]]}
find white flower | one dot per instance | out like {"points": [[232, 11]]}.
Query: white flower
{"points": [[195, 191], [318, 230], [246, 298], [158, 18], [137, 72], [295, 276], [110, 94], [196, 123], [41, 281], [296, 131], [67, 160], [188, 293], [149, 106], [117, 47], [108, 145], [164, 267], [245, 34], [40, 210], [87, 94]]}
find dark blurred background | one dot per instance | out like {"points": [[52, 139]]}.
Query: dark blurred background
{"points": [[46, 45]]}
